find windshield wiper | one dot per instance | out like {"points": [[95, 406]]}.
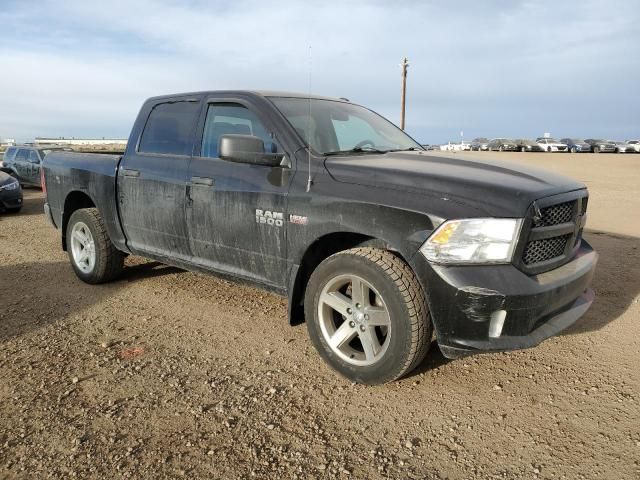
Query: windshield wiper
{"points": [[410, 149], [356, 150]]}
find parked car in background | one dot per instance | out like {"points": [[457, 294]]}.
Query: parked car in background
{"points": [[526, 145], [480, 144], [635, 144], [575, 145], [10, 193], [502, 145], [23, 162], [623, 147], [551, 144], [600, 146]]}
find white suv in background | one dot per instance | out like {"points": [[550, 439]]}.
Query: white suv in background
{"points": [[635, 144], [551, 145]]}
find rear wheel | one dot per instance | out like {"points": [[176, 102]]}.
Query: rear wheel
{"points": [[523, 149], [573, 150], [367, 315], [93, 257], [596, 150], [549, 149]]}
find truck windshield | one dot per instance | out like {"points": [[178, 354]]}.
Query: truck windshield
{"points": [[334, 127]]}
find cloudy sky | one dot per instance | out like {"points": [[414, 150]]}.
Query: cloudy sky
{"points": [[490, 68]]}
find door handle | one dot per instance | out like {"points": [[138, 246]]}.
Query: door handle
{"points": [[127, 172], [202, 181]]}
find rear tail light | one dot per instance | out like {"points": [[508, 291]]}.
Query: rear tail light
{"points": [[42, 182]]}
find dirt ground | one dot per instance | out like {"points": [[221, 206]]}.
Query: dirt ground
{"points": [[166, 374]]}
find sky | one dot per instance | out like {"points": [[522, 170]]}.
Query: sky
{"points": [[487, 68]]}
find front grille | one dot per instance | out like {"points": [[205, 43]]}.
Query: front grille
{"points": [[538, 251], [556, 214], [554, 233]]}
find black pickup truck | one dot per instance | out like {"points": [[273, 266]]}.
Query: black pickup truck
{"points": [[376, 243]]}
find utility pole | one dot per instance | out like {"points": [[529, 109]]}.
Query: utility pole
{"points": [[404, 65]]}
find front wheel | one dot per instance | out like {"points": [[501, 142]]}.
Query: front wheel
{"points": [[573, 150], [93, 257], [367, 315], [596, 150]]}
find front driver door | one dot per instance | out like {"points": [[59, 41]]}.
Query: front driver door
{"points": [[33, 173], [237, 212]]}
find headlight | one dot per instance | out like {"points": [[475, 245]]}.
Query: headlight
{"points": [[10, 186], [474, 240]]}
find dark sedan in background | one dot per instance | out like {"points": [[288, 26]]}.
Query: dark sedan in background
{"points": [[601, 146], [575, 145], [10, 193], [502, 145], [480, 144], [526, 145]]}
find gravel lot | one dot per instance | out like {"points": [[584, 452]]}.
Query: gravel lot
{"points": [[166, 373]]}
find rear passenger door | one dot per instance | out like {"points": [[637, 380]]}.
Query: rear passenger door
{"points": [[152, 181], [21, 165], [236, 211]]}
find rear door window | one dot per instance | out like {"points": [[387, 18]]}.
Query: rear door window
{"points": [[169, 128], [22, 155]]}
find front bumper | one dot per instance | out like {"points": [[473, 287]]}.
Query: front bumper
{"points": [[467, 302], [10, 199]]}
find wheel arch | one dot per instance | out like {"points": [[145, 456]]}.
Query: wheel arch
{"points": [[75, 200], [316, 253]]}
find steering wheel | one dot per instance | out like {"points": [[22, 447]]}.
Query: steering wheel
{"points": [[365, 142]]}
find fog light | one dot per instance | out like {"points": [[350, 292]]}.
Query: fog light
{"points": [[496, 323]]}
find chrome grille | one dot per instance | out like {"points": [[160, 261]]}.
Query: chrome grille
{"points": [[554, 233], [542, 250], [556, 214]]}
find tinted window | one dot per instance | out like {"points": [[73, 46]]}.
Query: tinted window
{"points": [[22, 155], [168, 129], [225, 118], [10, 154], [33, 156]]}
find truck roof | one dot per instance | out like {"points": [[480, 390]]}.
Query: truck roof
{"points": [[260, 93]]}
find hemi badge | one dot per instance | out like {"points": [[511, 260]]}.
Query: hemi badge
{"points": [[298, 219]]}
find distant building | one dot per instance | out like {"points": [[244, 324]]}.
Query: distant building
{"points": [[79, 141], [7, 142]]}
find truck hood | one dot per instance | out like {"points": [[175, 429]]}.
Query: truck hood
{"points": [[498, 188]]}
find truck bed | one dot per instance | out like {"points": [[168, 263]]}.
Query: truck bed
{"points": [[89, 176]]}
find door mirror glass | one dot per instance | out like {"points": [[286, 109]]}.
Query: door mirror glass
{"points": [[246, 149]]}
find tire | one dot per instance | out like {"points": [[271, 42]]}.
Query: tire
{"points": [[394, 298], [523, 149], [573, 150], [549, 149], [500, 149], [103, 262], [14, 210], [596, 150]]}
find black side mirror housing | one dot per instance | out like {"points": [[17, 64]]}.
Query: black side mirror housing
{"points": [[247, 149]]}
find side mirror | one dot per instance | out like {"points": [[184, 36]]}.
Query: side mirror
{"points": [[247, 149]]}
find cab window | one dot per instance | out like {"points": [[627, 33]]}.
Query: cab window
{"points": [[168, 128], [22, 155], [228, 118], [33, 157]]}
